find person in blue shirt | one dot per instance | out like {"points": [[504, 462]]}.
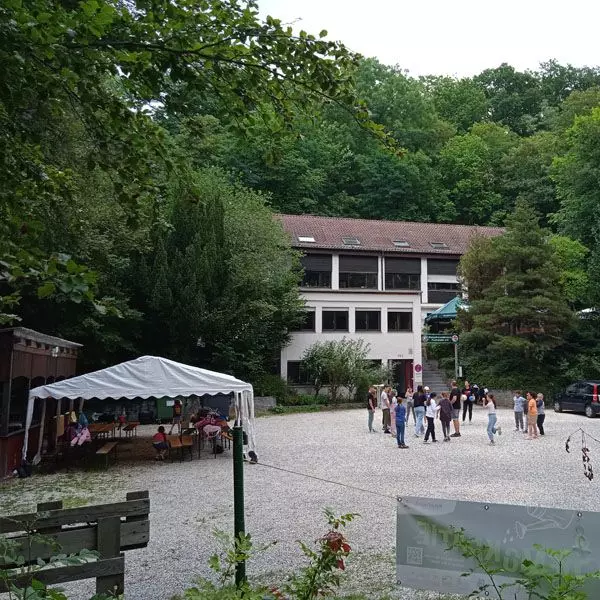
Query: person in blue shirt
{"points": [[400, 423]]}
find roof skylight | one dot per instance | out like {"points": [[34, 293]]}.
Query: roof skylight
{"points": [[401, 244], [308, 239], [438, 245], [350, 241]]}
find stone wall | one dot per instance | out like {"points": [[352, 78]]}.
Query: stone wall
{"points": [[264, 402]]}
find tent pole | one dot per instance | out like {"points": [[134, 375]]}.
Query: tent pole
{"points": [[238, 489]]}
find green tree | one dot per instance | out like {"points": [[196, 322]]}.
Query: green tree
{"points": [[461, 102], [518, 317], [340, 363]]}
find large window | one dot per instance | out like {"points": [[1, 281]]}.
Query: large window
{"points": [[317, 270], [438, 266], [296, 373], [399, 321], [335, 320], [402, 274], [440, 293], [308, 323], [368, 320], [358, 272]]}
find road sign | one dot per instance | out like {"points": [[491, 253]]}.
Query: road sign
{"points": [[418, 368], [455, 339], [438, 338]]}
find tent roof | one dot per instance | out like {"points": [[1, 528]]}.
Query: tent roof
{"points": [[446, 312], [144, 377]]}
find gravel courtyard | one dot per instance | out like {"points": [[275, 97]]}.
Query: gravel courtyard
{"points": [[190, 499]]}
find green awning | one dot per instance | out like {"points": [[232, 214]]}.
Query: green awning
{"points": [[446, 312]]}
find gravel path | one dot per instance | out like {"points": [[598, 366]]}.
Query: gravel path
{"points": [[189, 499]]}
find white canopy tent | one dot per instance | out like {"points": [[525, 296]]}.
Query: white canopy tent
{"points": [[148, 377]]}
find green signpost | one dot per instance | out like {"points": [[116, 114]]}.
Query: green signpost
{"points": [[445, 338]]}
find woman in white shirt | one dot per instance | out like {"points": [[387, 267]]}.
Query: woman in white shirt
{"points": [[431, 410], [490, 405]]}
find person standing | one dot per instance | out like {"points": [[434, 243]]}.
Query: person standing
{"points": [[431, 410], [518, 402], [400, 419], [419, 401], [492, 429], [371, 404], [468, 403], [393, 405], [541, 413], [531, 417], [445, 415], [409, 405], [177, 416], [455, 401], [385, 409]]}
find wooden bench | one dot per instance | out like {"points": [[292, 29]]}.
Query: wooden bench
{"points": [[106, 450], [107, 529], [175, 444], [187, 442]]}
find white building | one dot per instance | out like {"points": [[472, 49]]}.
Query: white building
{"points": [[375, 280]]}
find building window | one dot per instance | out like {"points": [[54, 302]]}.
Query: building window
{"points": [[401, 244], [359, 281], [440, 293], [335, 320], [306, 239], [296, 373], [351, 241], [358, 272], [438, 245], [308, 323], [402, 274], [399, 321], [317, 270], [441, 267], [402, 281], [368, 320]]}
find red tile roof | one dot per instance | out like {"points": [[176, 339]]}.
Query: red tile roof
{"points": [[380, 235]]}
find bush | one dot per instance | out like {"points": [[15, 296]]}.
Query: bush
{"points": [[274, 385], [303, 400]]}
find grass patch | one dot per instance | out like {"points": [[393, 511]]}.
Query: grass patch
{"points": [[308, 408]]}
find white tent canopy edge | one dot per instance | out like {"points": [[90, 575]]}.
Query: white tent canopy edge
{"points": [[148, 377]]}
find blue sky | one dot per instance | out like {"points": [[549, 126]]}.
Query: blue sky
{"points": [[453, 37]]}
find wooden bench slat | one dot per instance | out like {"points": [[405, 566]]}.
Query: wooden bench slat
{"points": [[107, 448], [134, 534], [73, 516], [187, 440], [100, 568], [174, 441]]}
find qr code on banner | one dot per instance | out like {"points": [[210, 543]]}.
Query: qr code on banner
{"points": [[414, 556]]}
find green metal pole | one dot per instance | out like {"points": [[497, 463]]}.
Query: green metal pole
{"points": [[238, 496]]}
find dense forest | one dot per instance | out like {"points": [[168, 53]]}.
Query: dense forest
{"points": [[145, 146]]}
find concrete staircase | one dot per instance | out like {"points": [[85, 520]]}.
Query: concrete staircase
{"points": [[434, 377]]}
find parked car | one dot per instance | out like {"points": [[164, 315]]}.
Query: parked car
{"points": [[581, 396]]}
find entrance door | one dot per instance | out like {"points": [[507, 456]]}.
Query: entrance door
{"points": [[402, 374]]}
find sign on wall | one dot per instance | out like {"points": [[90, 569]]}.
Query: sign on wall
{"points": [[426, 527]]}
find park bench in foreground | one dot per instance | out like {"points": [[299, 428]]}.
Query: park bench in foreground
{"points": [[107, 529]]}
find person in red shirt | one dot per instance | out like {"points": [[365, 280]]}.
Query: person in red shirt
{"points": [[160, 443]]}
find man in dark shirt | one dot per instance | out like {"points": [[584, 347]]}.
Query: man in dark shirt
{"points": [[371, 405], [455, 401]]}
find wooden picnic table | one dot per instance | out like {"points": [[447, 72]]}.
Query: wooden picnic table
{"points": [[98, 430]]}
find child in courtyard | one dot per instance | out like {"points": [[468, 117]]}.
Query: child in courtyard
{"points": [[431, 411], [492, 428], [400, 421], [177, 416], [445, 415], [532, 413], [393, 406], [160, 443]]}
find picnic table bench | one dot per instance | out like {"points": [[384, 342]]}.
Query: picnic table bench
{"points": [[108, 529], [131, 429], [180, 443], [108, 449]]}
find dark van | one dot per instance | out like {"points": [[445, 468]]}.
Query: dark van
{"points": [[581, 396]]}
